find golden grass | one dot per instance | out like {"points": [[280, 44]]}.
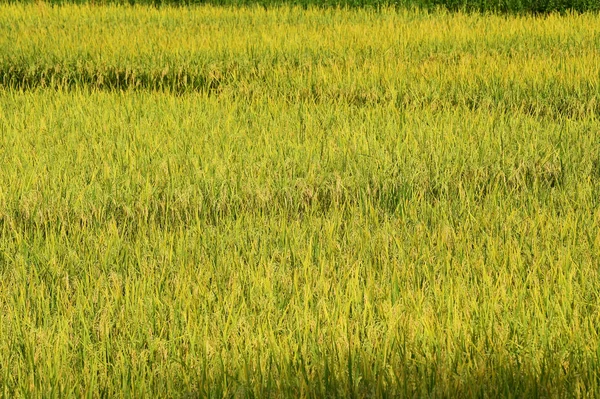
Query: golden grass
{"points": [[298, 203]]}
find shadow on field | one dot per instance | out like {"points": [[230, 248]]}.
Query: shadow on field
{"points": [[391, 196], [416, 381], [69, 77], [235, 81]]}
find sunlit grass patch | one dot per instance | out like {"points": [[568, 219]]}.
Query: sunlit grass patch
{"points": [[412, 212]]}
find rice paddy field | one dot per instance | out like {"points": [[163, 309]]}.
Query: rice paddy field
{"points": [[298, 202]]}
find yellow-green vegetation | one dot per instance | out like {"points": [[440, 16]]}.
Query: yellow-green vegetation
{"points": [[244, 202], [496, 6]]}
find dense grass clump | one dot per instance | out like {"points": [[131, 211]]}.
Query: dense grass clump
{"points": [[239, 202]]}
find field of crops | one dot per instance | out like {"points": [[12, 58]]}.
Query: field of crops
{"points": [[494, 6], [285, 202]]}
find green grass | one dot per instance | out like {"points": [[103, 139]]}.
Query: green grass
{"points": [[490, 6], [540, 66], [301, 209]]}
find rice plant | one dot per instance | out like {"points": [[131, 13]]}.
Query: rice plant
{"points": [[240, 202]]}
